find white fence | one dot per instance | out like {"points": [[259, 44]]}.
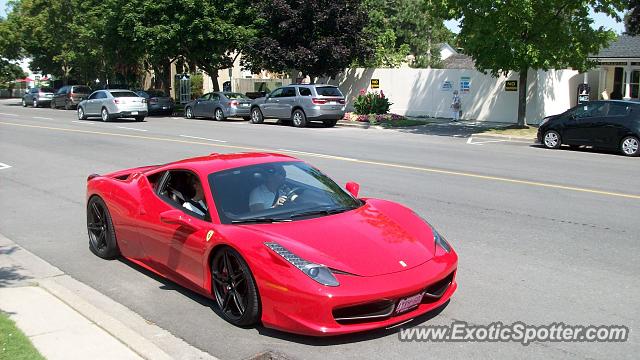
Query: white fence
{"points": [[428, 92]]}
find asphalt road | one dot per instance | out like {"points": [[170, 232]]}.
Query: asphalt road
{"points": [[543, 236]]}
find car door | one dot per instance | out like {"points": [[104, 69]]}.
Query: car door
{"points": [[287, 101], [200, 105], [612, 125], [271, 104], [91, 107], [59, 97], [579, 123], [172, 248], [213, 104]]}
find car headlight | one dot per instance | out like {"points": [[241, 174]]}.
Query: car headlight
{"points": [[544, 121], [440, 240], [317, 272]]}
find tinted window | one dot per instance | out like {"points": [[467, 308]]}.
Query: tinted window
{"points": [[236, 96], [215, 97], [206, 96], [119, 94], [143, 94], [236, 192], [81, 89], [289, 92], [63, 90], [95, 95], [304, 91], [618, 109], [276, 93], [156, 93], [589, 110], [102, 95], [328, 91]]}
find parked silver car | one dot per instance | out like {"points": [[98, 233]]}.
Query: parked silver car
{"points": [[219, 105], [37, 96], [113, 104], [301, 103]]}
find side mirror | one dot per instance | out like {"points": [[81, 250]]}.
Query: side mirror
{"points": [[177, 217], [353, 188]]}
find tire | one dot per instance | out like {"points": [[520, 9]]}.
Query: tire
{"points": [[139, 118], [219, 115], [298, 118], [246, 118], [551, 139], [630, 146], [236, 295], [52, 104], [102, 235], [81, 114], [256, 116], [35, 103], [330, 123], [188, 112], [24, 103], [104, 114]]}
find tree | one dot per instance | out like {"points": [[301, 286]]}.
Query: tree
{"points": [[519, 35], [388, 51], [316, 37], [632, 18], [9, 72]]}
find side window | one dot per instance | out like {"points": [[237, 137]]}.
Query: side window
{"points": [[289, 92], [102, 95], [183, 190], [618, 109], [304, 91], [588, 110], [205, 97], [215, 97], [276, 93], [94, 95]]}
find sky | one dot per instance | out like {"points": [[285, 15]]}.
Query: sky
{"points": [[600, 20]]}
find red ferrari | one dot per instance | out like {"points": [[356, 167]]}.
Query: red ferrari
{"points": [[273, 240]]}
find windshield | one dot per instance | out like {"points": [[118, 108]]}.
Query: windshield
{"points": [[119, 94], [156, 93], [328, 91], [282, 191]]}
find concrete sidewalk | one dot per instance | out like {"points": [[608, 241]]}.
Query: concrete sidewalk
{"points": [[66, 319]]}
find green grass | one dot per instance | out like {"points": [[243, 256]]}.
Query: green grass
{"points": [[14, 345], [403, 123], [527, 132]]}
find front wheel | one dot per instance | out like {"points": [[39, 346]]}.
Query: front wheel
{"points": [[299, 118], [219, 115], [81, 114], [630, 146], [102, 235], [24, 103], [35, 103], [256, 116], [188, 113], [551, 139], [234, 288]]}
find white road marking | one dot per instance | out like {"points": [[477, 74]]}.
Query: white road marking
{"points": [[176, 118], [41, 117], [471, 142], [83, 122], [128, 128], [201, 138], [318, 155], [6, 114], [4, 166]]}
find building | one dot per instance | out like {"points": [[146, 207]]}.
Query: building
{"points": [[618, 69]]}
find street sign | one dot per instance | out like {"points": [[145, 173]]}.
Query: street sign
{"points": [[511, 85], [465, 84], [375, 83], [446, 86]]}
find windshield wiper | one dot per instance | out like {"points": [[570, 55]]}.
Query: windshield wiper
{"points": [[321, 212], [259, 220]]}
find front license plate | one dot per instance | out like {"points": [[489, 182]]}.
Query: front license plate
{"points": [[134, 113], [408, 303]]}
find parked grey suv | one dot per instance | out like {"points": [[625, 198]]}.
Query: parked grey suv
{"points": [[37, 96], [301, 103]]}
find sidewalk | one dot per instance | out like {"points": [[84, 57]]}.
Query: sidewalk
{"points": [[65, 319]]}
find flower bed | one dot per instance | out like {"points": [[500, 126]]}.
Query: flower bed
{"points": [[373, 118]]}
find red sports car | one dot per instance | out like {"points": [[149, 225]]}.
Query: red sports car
{"points": [[272, 239]]}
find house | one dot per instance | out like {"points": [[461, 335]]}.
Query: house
{"points": [[618, 68]]}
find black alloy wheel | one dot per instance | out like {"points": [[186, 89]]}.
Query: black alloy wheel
{"points": [[234, 288], [102, 238]]}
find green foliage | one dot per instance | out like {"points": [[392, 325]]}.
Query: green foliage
{"points": [[9, 72], [371, 103], [632, 18], [196, 85], [518, 35]]}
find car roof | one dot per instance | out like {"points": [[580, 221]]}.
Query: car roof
{"points": [[205, 165], [114, 90]]}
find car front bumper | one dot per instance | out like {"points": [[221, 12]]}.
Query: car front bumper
{"points": [[290, 307]]}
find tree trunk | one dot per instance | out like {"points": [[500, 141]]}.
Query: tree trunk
{"points": [[166, 76], [214, 80], [522, 98]]}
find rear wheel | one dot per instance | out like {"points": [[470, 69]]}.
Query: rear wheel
{"points": [[102, 236], [81, 114], [188, 113], [234, 288], [35, 103], [330, 123], [551, 139], [630, 146], [104, 114], [24, 103], [52, 104], [66, 105], [299, 118], [219, 115], [256, 116]]}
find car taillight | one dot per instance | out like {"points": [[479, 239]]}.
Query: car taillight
{"points": [[318, 101], [341, 101], [234, 103], [144, 101], [69, 95]]}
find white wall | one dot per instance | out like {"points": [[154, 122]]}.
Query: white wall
{"points": [[417, 92]]}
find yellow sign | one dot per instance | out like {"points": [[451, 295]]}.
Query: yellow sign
{"points": [[375, 83], [511, 85], [209, 235]]}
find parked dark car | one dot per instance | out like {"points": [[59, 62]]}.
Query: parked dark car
{"points": [[70, 96], [157, 101], [37, 96], [607, 124]]}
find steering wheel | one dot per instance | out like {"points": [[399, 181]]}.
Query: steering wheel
{"points": [[294, 193]]}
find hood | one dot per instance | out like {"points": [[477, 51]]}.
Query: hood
{"points": [[369, 241]]}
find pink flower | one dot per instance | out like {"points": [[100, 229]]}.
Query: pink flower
{"points": [[363, 91], [381, 94]]}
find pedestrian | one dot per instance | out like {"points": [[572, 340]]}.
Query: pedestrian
{"points": [[456, 105]]}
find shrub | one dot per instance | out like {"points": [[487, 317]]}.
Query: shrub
{"points": [[371, 103]]}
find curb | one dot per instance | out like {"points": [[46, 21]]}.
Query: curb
{"points": [[504, 137], [147, 340]]}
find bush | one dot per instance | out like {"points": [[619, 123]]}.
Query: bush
{"points": [[371, 103]]}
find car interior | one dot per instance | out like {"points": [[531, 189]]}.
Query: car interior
{"points": [[178, 188]]}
